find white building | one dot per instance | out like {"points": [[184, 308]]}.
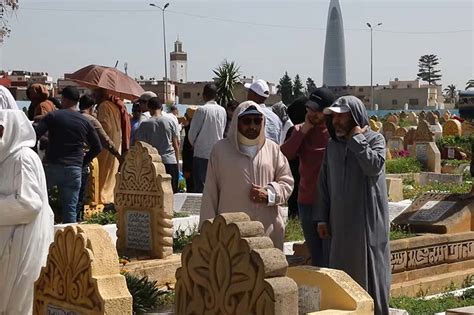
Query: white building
{"points": [[178, 64]]}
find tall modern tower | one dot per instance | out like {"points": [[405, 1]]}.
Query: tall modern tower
{"points": [[334, 70], [178, 63]]}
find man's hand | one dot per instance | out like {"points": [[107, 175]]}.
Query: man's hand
{"points": [[357, 129], [323, 231], [307, 125], [258, 194]]}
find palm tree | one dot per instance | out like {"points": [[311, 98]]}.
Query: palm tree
{"points": [[470, 84], [227, 77], [450, 92]]}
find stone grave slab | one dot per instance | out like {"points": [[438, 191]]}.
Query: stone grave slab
{"points": [[188, 202], [467, 128], [144, 202], [395, 144], [428, 154], [401, 132], [393, 119], [432, 118], [438, 213], [409, 139], [412, 118], [82, 275], [395, 209]]}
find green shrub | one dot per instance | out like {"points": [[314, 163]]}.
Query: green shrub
{"points": [[181, 214], [181, 239], [416, 306], [293, 231], [103, 218], [450, 188], [455, 163], [463, 143], [402, 165], [145, 293], [397, 233]]}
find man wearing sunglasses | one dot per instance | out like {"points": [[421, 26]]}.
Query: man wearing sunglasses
{"points": [[247, 172]]}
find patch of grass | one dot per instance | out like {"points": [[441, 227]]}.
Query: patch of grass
{"points": [[455, 163], [181, 239], [451, 188], [397, 233], [402, 165], [416, 306], [167, 298], [103, 218], [293, 231]]}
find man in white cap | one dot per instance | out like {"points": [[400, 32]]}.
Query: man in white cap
{"points": [[259, 92], [351, 203], [143, 101]]}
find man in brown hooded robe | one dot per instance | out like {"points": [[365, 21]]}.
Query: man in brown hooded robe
{"points": [[40, 105]]}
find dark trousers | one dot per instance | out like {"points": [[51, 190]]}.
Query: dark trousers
{"points": [[82, 193], [173, 170], [199, 173], [318, 248]]}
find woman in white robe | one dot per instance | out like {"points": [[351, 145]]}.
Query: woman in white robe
{"points": [[26, 219]]}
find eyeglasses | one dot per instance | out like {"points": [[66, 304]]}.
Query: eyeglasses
{"points": [[248, 120]]}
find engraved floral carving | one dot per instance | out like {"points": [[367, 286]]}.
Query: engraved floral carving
{"points": [[67, 276], [220, 275]]}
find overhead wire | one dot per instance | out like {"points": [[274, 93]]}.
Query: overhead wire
{"points": [[247, 22]]}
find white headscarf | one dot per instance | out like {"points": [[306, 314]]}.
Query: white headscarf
{"points": [[18, 132], [7, 101]]}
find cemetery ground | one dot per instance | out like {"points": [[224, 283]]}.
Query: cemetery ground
{"points": [[431, 237]]}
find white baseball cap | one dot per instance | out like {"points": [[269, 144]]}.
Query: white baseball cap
{"points": [[337, 108], [260, 87], [146, 96]]}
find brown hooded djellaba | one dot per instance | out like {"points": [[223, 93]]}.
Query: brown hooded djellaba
{"points": [[231, 173], [40, 104]]}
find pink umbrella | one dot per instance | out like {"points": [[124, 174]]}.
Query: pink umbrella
{"points": [[114, 81]]}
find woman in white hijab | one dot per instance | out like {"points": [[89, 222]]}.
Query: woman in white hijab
{"points": [[7, 101], [26, 220]]}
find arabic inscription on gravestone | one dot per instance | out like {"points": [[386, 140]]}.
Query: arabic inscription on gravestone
{"points": [[138, 230], [432, 211]]}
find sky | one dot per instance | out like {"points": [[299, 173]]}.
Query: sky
{"points": [[265, 38]]}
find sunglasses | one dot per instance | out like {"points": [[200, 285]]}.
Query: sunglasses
{"points": [[248, 120]]}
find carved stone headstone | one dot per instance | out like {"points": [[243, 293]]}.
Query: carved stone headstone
{"points": [[393, 119], [401, 132], [431, 118], [389, 129], [232, 268], [93, 205], [82, 275], [422, 115], [395, 144], [144, 202], [467, 128], [452, 127], [423, 132], [409, 139], [412, 118]]}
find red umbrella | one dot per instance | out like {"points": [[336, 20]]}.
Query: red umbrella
{"points": [[114, 81]]}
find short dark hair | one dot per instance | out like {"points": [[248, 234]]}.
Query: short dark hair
{"points": [[232, 105], [209, 91], [86, 102], [154, 103], [173, 107], [71, 93]]}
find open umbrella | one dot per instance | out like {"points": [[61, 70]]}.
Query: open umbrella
{"points": [[114, 81]]}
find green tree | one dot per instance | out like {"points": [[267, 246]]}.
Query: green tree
{"points": [[450, 92], [297, 88], [285, 89], [310, 85], [227, 77], [470, 84], [427, 69]]}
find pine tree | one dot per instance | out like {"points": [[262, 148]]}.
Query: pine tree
{"points": [[285, 89], [297, 88], [427, 69], [310, 86]]}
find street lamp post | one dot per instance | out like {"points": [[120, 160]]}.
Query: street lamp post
{"points": [[372, 64], [164, 47]]}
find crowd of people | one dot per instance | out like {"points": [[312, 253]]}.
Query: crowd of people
{"points": [[319, 155]]}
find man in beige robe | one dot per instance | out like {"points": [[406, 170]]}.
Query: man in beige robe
{"points": [[247, 172], [109, 116]]}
